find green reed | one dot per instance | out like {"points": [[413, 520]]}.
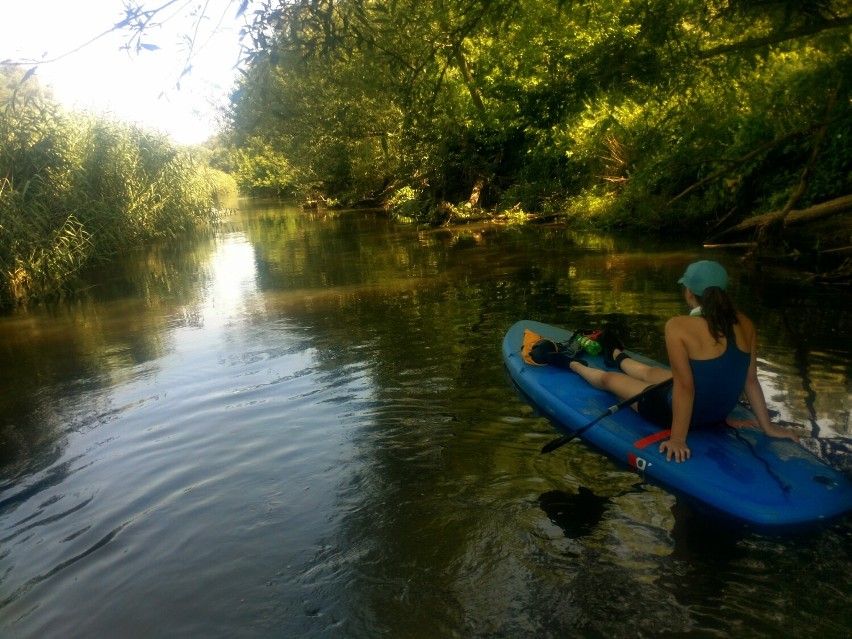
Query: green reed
{"points": [[76, 188]]}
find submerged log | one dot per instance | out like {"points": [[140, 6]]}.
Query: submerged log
{"points": [[793, 218], [735, 245], [816, 238]]}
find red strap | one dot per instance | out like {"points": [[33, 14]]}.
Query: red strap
{"points": [[664, 434], [741, 423], [652, 439]]}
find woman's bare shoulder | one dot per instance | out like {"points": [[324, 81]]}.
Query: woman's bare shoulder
{"points": [[745, 333], [677, 322], [745, 322], [686, 324]]}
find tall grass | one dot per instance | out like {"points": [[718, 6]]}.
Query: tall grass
{"points": [[76, 188]]}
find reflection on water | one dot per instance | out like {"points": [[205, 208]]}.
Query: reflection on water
{"points": [[301, 426]]}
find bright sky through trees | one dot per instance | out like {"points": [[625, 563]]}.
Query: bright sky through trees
{"points": [[131, 87]]}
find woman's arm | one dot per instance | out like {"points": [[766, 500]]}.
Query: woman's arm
{"points": [[683, 391], [754, 392]]}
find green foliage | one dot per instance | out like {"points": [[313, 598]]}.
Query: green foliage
{"points": [[404, 203], [609, 110], [260, 170], [75, 188]]}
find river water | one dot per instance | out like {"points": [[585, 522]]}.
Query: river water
{"points": [[301, 427]]}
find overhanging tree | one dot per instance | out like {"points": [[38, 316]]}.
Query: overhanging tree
{"points": [[668, 112]]}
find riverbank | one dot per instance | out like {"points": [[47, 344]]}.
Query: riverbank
{"points": [[815, 241]]}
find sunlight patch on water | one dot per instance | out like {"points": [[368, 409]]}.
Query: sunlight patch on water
{"points": [[233, 276]]}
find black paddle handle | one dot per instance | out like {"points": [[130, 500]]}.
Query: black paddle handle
{"points": [[557, 443]]}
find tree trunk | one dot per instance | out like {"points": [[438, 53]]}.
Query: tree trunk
{"points": [[468, 80], [473, 200]]}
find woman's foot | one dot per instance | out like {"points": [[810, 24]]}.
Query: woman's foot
{"points": [[579, 362], [613, 349], [564, 360], [547, 352], [542, 350]]}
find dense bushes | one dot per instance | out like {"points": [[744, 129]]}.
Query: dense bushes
{"points": [[75, 188], [607, 111]]}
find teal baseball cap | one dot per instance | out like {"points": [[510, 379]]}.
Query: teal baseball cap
{"points": [[702, 275]]}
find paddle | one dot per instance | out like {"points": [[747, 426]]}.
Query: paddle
{"points": [[556, 443]]}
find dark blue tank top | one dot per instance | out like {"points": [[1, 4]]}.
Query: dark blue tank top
{"points": [[718, 384]]}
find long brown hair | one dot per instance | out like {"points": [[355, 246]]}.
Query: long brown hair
{"points": [[718, 309]]}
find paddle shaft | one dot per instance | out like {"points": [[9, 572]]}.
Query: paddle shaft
{"points": [[557, 443]]}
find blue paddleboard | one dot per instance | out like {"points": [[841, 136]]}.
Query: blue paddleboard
{"points": [[737, 471]]}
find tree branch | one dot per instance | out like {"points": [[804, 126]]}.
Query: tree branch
{"points": [[776, 38], [752, 154]]}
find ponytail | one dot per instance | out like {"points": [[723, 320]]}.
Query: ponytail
{"points": [[718, 309]]}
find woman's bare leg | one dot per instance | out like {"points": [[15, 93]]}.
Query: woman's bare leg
{"points": [[643, 372], [620, 384], [635, 378]]}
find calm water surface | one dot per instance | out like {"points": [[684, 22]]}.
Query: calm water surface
{"points": [[301, 427]]}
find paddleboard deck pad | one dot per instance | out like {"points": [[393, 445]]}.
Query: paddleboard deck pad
{"points": [[734, 470]]}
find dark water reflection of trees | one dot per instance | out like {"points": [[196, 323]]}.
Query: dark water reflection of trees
{"points": [[65, 350]]}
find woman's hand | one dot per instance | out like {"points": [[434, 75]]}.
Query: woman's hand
{"points": [[675, 448], [774, 430]]}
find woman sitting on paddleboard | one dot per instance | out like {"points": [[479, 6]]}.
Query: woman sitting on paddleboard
{"points": [[712, 354]]}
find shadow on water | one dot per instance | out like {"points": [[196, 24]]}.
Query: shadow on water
{"points": [[711, 573], [577, 514], [698, 537]]}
